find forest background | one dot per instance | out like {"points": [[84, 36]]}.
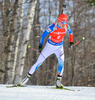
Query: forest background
{"points": [[22, 23]]}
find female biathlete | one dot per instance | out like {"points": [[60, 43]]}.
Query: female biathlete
{"points": [[54, 45]]}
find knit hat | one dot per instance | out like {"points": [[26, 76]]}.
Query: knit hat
{"points": [[62, 18]]}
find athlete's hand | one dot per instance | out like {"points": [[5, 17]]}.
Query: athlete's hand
{"points": [[71, 45], [39, 49]]}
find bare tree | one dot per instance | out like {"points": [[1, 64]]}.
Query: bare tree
{"points": [[6, 9], [26, 33], [17, 31], [11, 37]]}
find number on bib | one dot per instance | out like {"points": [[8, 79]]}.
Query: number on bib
{"points": [[58, 37]]}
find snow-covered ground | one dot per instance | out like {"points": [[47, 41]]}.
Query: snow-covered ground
{"points": [[45, 93]]}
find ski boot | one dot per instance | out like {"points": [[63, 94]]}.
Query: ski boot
{"points": [[25, 80], [58, 82]]}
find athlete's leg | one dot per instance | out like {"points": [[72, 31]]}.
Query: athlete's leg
{"points": [[48, 50], [37, 64], [60, 55]]}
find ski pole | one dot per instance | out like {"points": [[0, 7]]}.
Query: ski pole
{"points": [[35, 50], [83, 38]]}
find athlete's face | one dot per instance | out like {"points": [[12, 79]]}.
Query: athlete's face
{"points": [[61, 24]]}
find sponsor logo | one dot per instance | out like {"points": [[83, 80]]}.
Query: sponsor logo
{"points": [[59, 33], [48, 29]]}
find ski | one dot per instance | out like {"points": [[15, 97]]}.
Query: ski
{"points": [[63, 89], [16, 85]]}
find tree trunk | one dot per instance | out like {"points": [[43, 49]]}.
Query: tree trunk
{"points": [[6, 32], [25, 40], [11, 39], [17, 31]]}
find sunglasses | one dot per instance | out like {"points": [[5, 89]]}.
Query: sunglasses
{"points": [[64, 22]]}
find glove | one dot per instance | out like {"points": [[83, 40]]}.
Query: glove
{"points": [[71, 45], [39, 49]]}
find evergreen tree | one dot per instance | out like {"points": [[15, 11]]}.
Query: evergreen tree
{"points": [[91, 2]]}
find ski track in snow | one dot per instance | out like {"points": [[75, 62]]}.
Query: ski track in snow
{"points": [[45, 93]]}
